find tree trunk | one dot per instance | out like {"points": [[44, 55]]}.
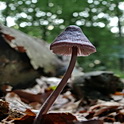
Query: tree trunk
{"points": [[121, 43]]}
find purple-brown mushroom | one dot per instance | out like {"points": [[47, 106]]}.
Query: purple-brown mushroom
{"points": [[72, 42]]}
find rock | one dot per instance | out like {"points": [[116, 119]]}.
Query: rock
{"points": [[96, 85]]}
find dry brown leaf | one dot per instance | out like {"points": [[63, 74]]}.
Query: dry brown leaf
{"points": [[6, 88], [4, 109], [26, 119], [105, 110], [15, 102], [89, 122], [35, 105], [30, 97], [119, 93], [58, 118]]}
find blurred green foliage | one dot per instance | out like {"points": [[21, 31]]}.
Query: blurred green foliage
{"points": [[102, 21]]}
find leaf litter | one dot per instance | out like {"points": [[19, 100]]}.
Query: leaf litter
{"points": [[21, 106]]}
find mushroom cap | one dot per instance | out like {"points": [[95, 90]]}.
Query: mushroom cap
{"points": [[72, 36]]}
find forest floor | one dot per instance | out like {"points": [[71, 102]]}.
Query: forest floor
{"points": [[21, 106]]}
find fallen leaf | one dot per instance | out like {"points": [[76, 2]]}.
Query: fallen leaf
{"points": [[105, 110], [119, 93], [15, 102], [35, 105], [4, 109], [119, 117], [89, 122], [58, 118], [30, 97], [6, 88], [26, 119]]}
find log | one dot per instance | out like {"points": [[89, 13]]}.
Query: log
{"points": [[24, 58], [96, 85]]}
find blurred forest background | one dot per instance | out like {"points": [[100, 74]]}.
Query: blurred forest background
{"points": [[102, 21]]}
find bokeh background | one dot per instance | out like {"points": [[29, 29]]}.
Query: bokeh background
{"points": [[102, 21]]}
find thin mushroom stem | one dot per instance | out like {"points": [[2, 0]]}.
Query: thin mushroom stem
{"points": [[50, 100]]}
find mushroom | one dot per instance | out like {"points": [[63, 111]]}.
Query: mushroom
{"points": [[70, 42]]}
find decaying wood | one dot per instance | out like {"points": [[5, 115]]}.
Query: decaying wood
{"points": [[97, 85], [22, 56]]}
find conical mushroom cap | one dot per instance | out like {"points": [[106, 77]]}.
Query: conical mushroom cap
{"points": [[70, 37]]}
